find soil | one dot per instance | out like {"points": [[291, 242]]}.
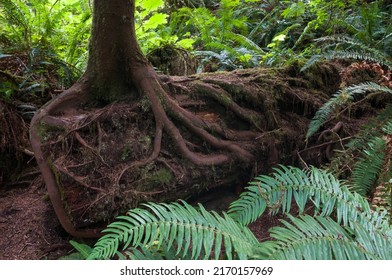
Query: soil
{"points": [[28, 225]]}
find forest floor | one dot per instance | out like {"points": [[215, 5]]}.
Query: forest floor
{"points": [[28, 225]]}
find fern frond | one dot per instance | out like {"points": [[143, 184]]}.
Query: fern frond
{"points": [[270, 191], [13, 14], [358, 55], [321, 238], [388, 127], [287, 185], [343, 161], [377, 245], [311, 61], [367, 168], [339, 99], [83, 249], [353, 49], [193, 232]]}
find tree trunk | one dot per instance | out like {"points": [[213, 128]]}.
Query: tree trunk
{"points": [[122, 135], [113, 51]]}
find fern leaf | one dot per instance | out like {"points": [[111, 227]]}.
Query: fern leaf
{"points": [[378, 246], [343, 162], [193, 232], [388, 127], [358, 55], [273, 191], [328, 195], [340, 98], [311, 61], [367, 169], [353, 49], [321, 238], [13, 14], [83, 249]]}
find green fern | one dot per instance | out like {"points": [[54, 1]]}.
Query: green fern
{"points": [[352, 49], [292, 185], [321, 238], [13, 16], [180, 231], [367, 168], [197, 233], [358, 55], [344, 160], [343, 96], [83, 249]]}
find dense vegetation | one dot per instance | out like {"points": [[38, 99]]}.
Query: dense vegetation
{"points": [[349, 197]]}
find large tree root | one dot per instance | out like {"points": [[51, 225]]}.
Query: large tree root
{"points": [[73, 145]]}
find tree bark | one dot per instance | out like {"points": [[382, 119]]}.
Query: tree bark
{"points": [[113, 51]]}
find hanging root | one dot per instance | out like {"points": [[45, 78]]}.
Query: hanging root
{"points": [[159, 98]]}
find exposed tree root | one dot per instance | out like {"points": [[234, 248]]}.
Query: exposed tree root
{"points": [[99, 162]]}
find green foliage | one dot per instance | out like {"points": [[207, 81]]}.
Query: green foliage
{"points": [[47, 25], [343, 47], [220, 36], [365, 160], [368, 167], [194, 232], [342, 97], [179, 231], [228, 34], [321, 238], [152, 29]]}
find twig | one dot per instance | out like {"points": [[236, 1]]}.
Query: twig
{"points": [[326, 144], [302, 161], [100, 135], [84, 143]]}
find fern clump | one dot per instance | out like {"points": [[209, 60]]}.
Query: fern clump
{"points": [[344, 47], [194, 232], [322, 238], [343, 225]]}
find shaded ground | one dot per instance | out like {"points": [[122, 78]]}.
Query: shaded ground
{"points": [[28, 225]]}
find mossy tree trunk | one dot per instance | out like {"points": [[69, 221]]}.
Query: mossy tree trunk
{"points": [[122, 135]]}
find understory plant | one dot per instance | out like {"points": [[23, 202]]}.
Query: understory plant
{"points": [[365, 161], [323, 220]]}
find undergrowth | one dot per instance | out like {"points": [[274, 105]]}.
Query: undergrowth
{"points": [[342, 226]]}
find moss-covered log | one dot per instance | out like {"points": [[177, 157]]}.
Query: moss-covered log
{"points": [[123, 135], [99, 158]]}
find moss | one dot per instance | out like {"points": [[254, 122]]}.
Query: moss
{"points": [[226, 100], [45, 130], [153, 179], [126, 153], [162, 176]]}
